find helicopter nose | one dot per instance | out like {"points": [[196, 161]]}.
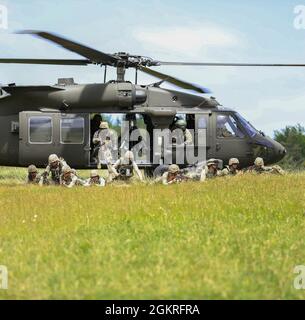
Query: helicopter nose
{"points": [[279, 152]]}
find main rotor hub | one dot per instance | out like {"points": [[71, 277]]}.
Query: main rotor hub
{"points": [[134, 61]]}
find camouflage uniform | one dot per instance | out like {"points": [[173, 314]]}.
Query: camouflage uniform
{"points": [[124, 169], [69, 179], [231, 169], [33, 176], [55, 169], [187, 138], [173, 175], [210, 171], [259, 168], [105, 140], [95, 180]]}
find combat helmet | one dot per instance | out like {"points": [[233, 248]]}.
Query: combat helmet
{"points": [[32, 169], [53, 158], [104, 125], [211, 162], [259, 162], [180, 124], [173, 168], [66, 169], [233, 161]]}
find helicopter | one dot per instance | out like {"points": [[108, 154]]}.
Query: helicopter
{"points": [[37, 121]]}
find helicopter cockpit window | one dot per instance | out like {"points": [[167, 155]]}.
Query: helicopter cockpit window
{"points": [[40, 130], [247, 125], [227, 127], [72, 130]]}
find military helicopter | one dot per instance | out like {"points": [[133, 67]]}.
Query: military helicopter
{"points": [[37, 121]]}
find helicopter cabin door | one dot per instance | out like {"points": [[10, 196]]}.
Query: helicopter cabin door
{"points": [[230, 139], [42, 134]]}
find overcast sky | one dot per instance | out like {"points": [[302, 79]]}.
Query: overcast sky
{"points": [[195, 30]]}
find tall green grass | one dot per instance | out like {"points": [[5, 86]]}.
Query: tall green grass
{"points": [[231, 238]]}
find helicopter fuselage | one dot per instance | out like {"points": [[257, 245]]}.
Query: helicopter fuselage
{"points": [[36, 121]]}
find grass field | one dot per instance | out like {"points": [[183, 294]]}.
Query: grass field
{"points": [[236, 238]]}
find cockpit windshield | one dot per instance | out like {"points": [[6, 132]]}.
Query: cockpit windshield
{"points": [[247, 125]]}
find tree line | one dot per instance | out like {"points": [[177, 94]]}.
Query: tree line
{"points": [[293, 139]]}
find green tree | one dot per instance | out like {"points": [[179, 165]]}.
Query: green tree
{"points": [[293, 139]]}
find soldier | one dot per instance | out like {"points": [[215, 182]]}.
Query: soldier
{"points": [[95, 179], [33, 176], [187, 138], [259, 168], [105, 142], [55, 168], [124, 169], [232, 168], [211, 170], [94, 126], [69, 179], [173, 175]]}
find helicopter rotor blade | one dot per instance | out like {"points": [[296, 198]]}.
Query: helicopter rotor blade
{"points": [[180, 83], [66, 62], [220, 64], [93, 55]]}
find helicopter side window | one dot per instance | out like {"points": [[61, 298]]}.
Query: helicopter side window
{"points": [[227, 127], [72, 130], [202, 122], [40, 130]]}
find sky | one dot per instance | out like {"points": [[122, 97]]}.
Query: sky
{"points": [[173, 30]]}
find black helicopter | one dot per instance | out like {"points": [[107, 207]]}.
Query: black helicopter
{"points": [[36, 121]]}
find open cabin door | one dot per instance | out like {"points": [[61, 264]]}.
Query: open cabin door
{"points": [[41, 134]]}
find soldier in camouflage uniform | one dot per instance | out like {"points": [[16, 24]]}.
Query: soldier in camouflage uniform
{"points": [[171, 176], [55, 169], [211, 170], [69, 179], [174, 175], [33, 175], [95, 180], [105, 141], [187, 138], [232, 168], [124, 169], [259, 168]]}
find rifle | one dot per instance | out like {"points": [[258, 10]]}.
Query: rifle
{"points": [[180, 177]]}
